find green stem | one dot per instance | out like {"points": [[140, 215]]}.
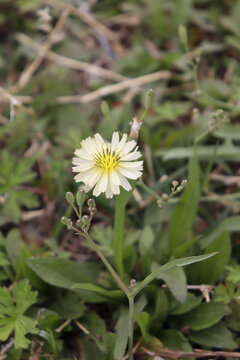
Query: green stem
{"points": [[107, 264], [149, 190], [118, 235], [131, 326]]}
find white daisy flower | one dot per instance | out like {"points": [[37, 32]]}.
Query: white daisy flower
{"points": [[106, 166]]}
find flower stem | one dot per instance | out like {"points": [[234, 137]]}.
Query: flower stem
{"points": [[149, 190], [107, 264], [118, 235], [131, 326]]}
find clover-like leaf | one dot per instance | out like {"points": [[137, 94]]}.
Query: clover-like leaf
{"points": [[14, 175], [12, 309]]}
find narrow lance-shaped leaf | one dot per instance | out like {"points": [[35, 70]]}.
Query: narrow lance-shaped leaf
{"points": [[161, 269]]}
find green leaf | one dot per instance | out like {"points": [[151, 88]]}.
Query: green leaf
{"points": [[11, 313], [176, 281], [233, 274], [69, 306], [13, 246], [183, 217], [217, 336], [175, 340], [66, 273], [211, 270], [143, 320], [122, 335], [191, 303], [161, 269], [205, 315], [229, 224], [100, 290], [14, 174], [146, 240]]}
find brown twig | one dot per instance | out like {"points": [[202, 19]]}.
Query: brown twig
{"points": [[61, 327], [196, 353], [106, 90], [27, 74], [112, 89], [68, 62], [5, 349], [85, 17]]}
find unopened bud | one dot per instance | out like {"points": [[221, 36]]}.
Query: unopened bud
{"points": [[182, 33], [91, 203], [175, 183], [165, 197], [160, 204], [149, 98], [105, 108], [85, 221], [67, 222], [69, 198], [64, 220], [133, 284], [92, 210], [80, 197]]}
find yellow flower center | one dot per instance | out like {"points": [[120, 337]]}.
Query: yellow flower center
{"points": [[107, 159]]}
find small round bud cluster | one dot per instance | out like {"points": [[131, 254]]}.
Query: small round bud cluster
{"points": [[91, 206], [218, 120], [182, 185], [175, 184], [133, 284], [67, 222], [163, 201]]}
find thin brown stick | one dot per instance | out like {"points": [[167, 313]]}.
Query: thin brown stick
{"points": [[196, 353], [85, 17], [5, 349], [112, 89], [106, 90], [68, 62], [61, 327], [27, 74]]}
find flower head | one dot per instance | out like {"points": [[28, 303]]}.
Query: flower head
{"points": [[105, 166]]}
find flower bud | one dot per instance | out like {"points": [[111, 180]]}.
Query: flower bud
{"points": [[149, 99], [80, 197], [182, 33], [84, 221], [91, 203], [70, 198], [165, 197], [105, 108]]}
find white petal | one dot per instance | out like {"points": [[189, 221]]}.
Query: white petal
{"points": [[121, 143], [109, 193], [131, 174], [85, 176], [83, 167], [131, 156], [114, 187], [99, 140], [114, 177], [83, 154], [115, 139], [89, 145], [132, 164], [124, 182], [129, 146], [79, 161]]}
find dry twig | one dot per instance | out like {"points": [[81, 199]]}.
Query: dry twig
{"points": [[27, 74], [70, 63], [112, 89], [196, 353]]}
